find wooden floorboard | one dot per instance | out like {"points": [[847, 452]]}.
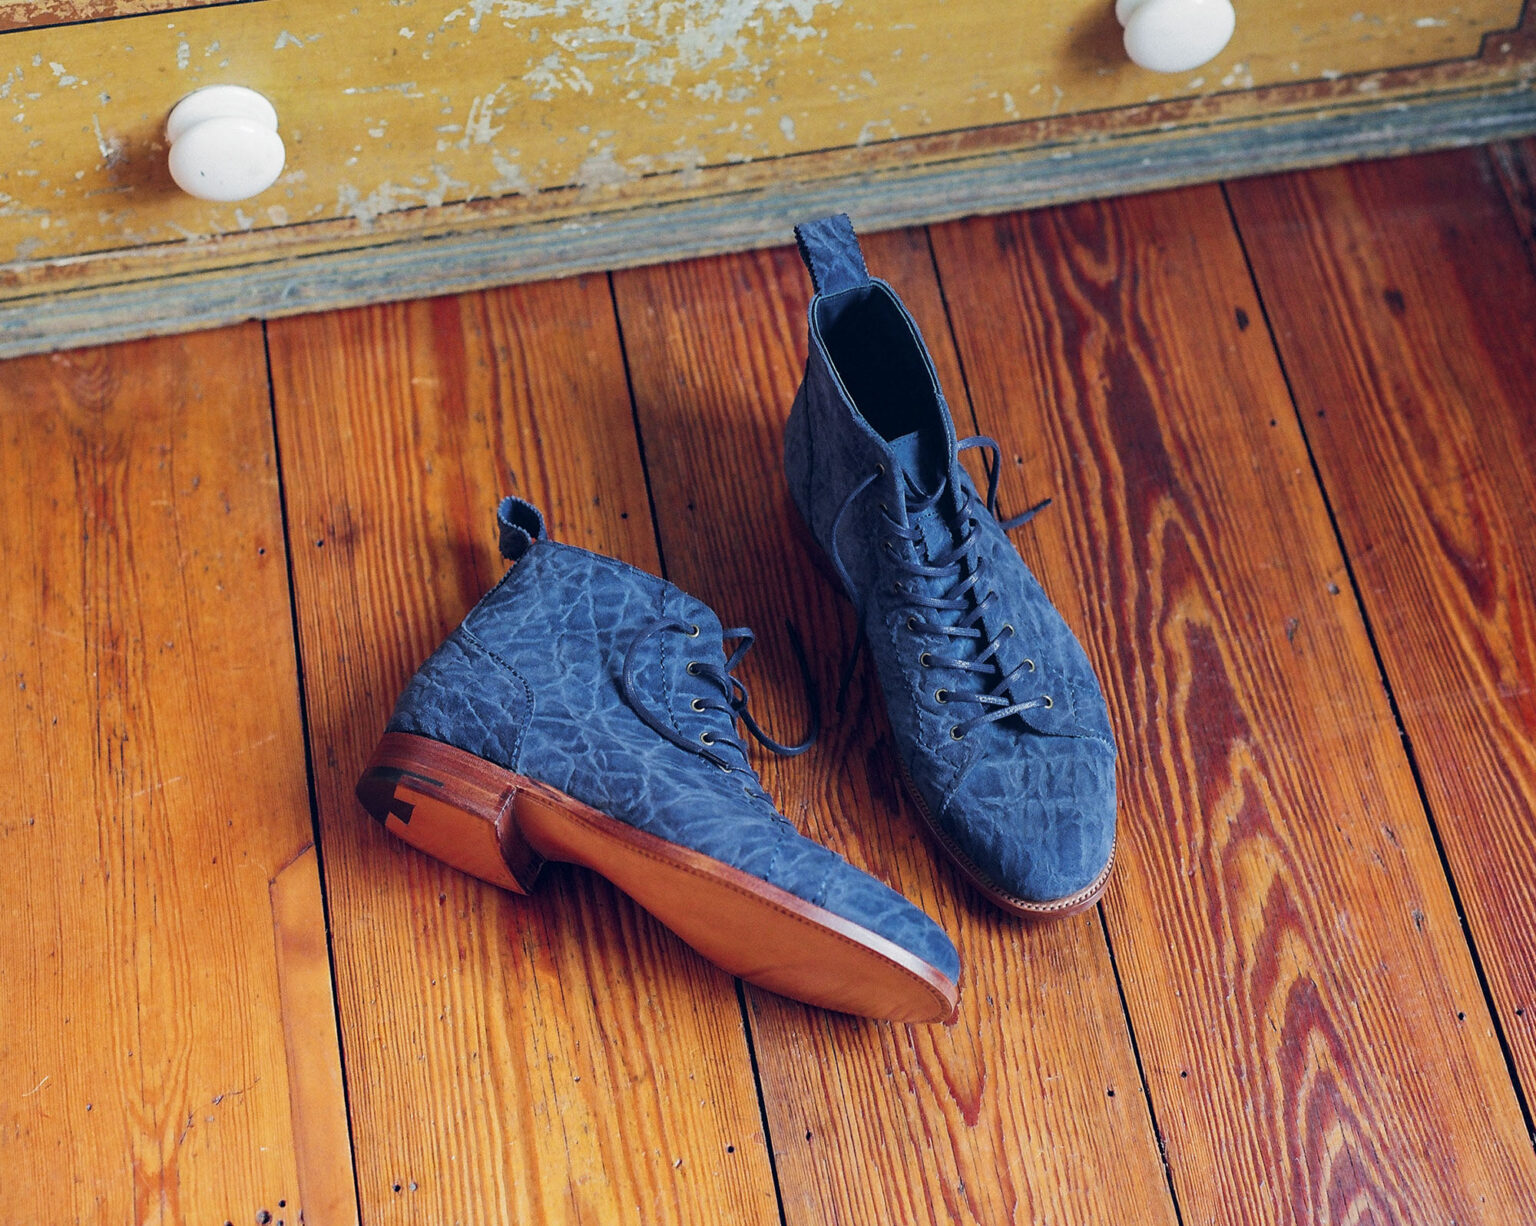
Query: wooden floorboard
{"points": [[1028, 1108], [1409, 338], [164, 927], [1514, 164], [1275, 547], [1314, 1035], [555, 1058]]}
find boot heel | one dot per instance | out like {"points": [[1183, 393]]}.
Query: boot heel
{"points": [[452, 805]]}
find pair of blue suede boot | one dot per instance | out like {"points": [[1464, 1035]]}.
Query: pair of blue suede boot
{"points": [[584, 710]]}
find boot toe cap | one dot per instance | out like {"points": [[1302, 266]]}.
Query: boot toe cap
{"points": [[1041, 828]]}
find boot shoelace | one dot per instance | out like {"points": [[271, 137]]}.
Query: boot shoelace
{"points": [[721, 678], [960, 597]]}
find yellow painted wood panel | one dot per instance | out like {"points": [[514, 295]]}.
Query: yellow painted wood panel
{"points": [[393, 106], [169, 1051]]}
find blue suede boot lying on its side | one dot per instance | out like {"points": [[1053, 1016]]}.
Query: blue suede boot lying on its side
{"points": [[999, 721], [584, 711]]}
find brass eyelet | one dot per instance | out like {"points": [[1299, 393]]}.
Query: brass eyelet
{"points": [[1048, 703], [1030, 664], [925, 660], [941, 696], [693, 668], [697, 704], [694, 633], [707, 737], [1008, 626], [913, 623], [955, 734]]}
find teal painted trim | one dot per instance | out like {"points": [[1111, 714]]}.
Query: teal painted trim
{"points": [[649, 234]]}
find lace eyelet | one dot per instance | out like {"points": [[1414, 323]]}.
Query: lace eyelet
{"points": [[697, 704], [913, 623], [693, 668], [707, 737], [1008, 626], [941, 697], [879, 470], [1048, 703], [925, 660], [956, 734], [1029, 664], [693, 633]]}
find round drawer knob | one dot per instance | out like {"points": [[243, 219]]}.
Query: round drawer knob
{"points": [[224, 143], [1175, 35]]}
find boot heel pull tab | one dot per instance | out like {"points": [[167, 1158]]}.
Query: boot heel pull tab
{"points": [[519, 524], [831, 254]]}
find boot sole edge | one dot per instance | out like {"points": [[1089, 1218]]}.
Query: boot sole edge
{"points": [[501, 827]]}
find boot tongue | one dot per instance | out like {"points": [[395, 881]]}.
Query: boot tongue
{"points": [[921, 459]]}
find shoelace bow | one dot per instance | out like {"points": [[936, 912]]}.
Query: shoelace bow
{"points": [[960, 597], [735, 694]]}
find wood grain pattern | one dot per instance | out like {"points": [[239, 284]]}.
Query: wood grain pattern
{"points": [[1315, 1040], [154, 785], [1404, 313], [32, 14], [556, 1058], [1515, 164], [1029, 1109], [322, 1141]]}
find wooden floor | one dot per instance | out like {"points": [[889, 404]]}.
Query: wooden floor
{"points": [[1290, 429]]}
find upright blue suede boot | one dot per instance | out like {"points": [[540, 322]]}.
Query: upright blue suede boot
{"points": [[584, 711], [999, 721]]}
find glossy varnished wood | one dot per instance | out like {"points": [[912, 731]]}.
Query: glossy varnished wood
{"points": [[1028, 1108], [1515, 164], [1406, 318], [1315, 1039], [555, 1058], [154, 799]]}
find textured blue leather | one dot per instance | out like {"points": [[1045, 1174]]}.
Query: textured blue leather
{"points": [[832, 254], [1029, 799], [532, 681]]}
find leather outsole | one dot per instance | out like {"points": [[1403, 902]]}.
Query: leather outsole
{"points": [[501, 827]]}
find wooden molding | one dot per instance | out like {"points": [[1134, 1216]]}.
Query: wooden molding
{"points": [[991, 181]]}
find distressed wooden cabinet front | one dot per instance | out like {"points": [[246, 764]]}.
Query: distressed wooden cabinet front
{"points": [[406, 119]]}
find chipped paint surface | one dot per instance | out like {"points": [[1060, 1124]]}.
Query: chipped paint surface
{"points": [[389, 105]]}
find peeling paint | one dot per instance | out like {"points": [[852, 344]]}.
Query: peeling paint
{"points": [[111, 148], [647, 42], [478, 129], [601, 170], [596, 94]]}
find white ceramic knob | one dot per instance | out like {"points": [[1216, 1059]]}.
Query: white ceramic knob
{"points": [[224, 143], [1175, 35]]}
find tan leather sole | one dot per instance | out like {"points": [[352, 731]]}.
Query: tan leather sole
{"points": [[989, 889], [501, 827]]}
